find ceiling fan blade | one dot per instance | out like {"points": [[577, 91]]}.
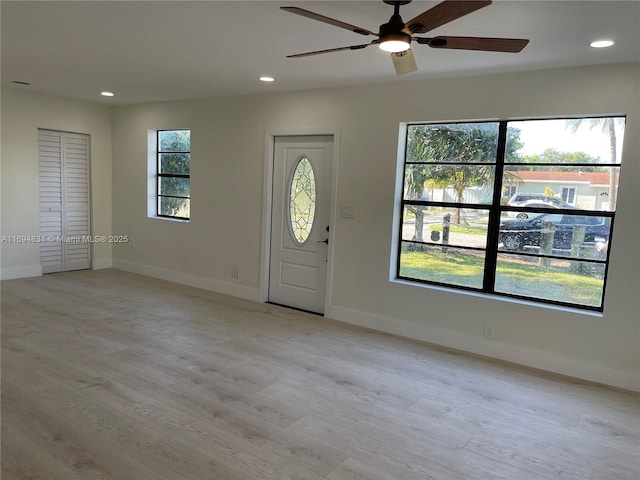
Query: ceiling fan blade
{"points": [[442, 13], [329, 20], [487, 44], [404, 62], [330, 50]]}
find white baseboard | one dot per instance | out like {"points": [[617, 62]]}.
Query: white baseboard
{"points": [[210, 284], [100, 263], [9, 273], [521, 355]]}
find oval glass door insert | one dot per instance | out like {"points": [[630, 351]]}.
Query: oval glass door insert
{"points": [[302, 201]]}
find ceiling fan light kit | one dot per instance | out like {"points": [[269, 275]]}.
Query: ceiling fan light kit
{"points": [[393, 38], [396, 36], [395, 42]]}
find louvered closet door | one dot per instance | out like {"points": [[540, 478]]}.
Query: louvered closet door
{"points": [[64, 201], [77, 255], [50, 153]]}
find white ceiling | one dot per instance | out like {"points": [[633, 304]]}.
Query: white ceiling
{"points": [[165, 50]]}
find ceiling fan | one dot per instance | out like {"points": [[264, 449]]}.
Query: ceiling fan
{"points": [[395, 36]]}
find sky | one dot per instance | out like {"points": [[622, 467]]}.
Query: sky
{"points": [[538, 135]]}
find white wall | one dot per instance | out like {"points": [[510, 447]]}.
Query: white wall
{"points": [[23, 113], [228, 165]]}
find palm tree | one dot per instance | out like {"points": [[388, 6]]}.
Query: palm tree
{"points": [[447, 152], [459, 146], [608, 126], [415, 178]]}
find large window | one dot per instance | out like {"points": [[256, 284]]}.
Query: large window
{"points": [[523, 209], [174, 174]]}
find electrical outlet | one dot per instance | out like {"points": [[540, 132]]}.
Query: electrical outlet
{"points": [[234, 272], [489, 331]]}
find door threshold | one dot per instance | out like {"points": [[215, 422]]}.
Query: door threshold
{"points": [[296, 308]]}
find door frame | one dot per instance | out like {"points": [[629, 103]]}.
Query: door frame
{"points": [[267, 202]]}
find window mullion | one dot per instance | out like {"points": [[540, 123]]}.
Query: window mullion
{"points": [[173, 175], [158, 211], [491, 255]]}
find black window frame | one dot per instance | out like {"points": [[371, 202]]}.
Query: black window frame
{"points": [[496, 209], [160, 175]]}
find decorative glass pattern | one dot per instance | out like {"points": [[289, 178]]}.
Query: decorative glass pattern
{"points": [[302, 201]]}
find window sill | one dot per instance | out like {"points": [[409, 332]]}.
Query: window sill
{"points": [[169, 219]]}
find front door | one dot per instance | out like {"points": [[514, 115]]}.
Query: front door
{"points": [[300, 221]]}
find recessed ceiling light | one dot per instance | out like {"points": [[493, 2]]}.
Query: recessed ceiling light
{"points": [[602, 43], [107, 94], [267, 79]]}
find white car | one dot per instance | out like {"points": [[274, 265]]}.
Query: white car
{"points": [[534, 204], [520, 198]]}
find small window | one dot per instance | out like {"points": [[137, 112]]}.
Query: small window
{"points": [[509, 191], [464, 226], [174, 174], [568, 195]]}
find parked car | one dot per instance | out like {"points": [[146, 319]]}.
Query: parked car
{"points": [[536, 204], [520, 198], [516, 234]]}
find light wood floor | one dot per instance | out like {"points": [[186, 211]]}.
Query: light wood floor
{"points": [[106, 374]]}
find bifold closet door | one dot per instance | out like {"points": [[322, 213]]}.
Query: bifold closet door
{"points": [[64, 201]]}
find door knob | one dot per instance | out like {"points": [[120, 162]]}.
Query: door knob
{"points": [[324, 241]]}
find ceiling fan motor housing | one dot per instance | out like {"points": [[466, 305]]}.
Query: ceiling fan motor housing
{"points": [[396, 2], [394, 28]]}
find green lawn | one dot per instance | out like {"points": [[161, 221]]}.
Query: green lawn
{"points": [[454, 269], [514, 277], [472, 229]]}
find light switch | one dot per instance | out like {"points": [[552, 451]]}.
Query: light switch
{"points": [[347, 211]]}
